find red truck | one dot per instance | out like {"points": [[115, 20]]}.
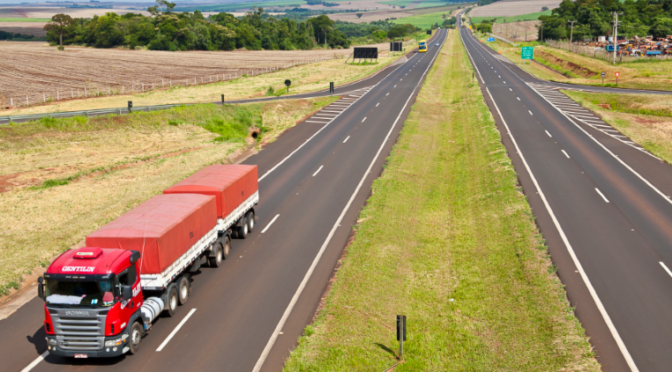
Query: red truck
{"points": [[100, 300]]}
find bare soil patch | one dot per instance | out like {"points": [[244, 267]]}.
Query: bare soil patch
{"points": [[517, 31], [33, 73], [567, 65]]}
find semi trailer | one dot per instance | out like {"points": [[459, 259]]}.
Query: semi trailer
{"points": [[100, 300]]}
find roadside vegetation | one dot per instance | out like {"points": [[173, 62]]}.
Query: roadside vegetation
{"points": [[63, 178], [562, 66], [644, 118], [448, 239]]}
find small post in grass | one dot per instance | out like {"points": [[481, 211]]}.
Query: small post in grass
{"points": [[130, 106], [222, 100], [287, 84], [401, 334], [331, 87]]}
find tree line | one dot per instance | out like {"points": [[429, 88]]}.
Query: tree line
{"points": [[169, 30], [594, 18]]}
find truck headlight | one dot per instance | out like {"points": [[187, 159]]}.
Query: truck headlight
{"points": [[52, 341], [115, 342]]}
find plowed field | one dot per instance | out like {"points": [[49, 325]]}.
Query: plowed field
{"points": [[32, 73]]}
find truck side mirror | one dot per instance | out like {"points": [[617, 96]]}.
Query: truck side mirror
{"points": [[40, 288], [126, 292]]}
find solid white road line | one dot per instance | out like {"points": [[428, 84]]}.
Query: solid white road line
{"points": [[292, 303], [575, 259], [172, 334], [661, 264], [602, 195], [549, 134], [363, 120], [38, 360], [563, 151], [270, 223], [346, 139], [317, 171]]}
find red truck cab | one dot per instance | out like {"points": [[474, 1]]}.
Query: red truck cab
{"points": [[91, 296]]}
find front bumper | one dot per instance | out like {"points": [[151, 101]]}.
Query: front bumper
{"points": [[106, 352]]}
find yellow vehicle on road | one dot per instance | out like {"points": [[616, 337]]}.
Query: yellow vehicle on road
{"points": [[422, 46]]}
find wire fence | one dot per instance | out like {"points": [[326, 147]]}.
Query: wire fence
{"points": [[600, 52], [4, 120], [96, 90]]}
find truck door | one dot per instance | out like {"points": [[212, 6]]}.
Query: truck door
{"points": [[129, 307]]}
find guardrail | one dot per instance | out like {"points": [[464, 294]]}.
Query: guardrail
{"points": [[4, 120]]}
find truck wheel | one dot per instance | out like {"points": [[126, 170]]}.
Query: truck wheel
{"points": [[250, 220], [136, 336], [243, 229], [226, 247], [183, 288], [217, 260], [172, 300]]}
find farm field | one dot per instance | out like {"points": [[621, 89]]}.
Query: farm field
{"points": [[86, 172], [517, 31], [400, 14], [48, 12], [447, 238], [425, 21], [516, 18], [505, 8], [84, 72]]}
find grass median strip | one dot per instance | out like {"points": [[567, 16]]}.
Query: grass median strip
{"points": [[448, 239]]}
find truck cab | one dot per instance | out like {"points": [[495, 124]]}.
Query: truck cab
{"points": [[92, 301]]}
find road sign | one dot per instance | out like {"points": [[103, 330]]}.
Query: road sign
{"points": [[603, 74], [617, 74], [287, 84], [491, 39], [527, 53]]}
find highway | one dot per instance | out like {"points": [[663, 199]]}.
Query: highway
{"points": [[248, 314], [602, 204]]}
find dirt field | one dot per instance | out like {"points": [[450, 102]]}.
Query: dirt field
{"points": [[52, 75], [24, 28], [385, 14], [48, 12], [513, 8], [517, 31]]}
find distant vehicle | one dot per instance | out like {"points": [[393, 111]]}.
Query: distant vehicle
{"points": [[422, 46], [437, 44]]}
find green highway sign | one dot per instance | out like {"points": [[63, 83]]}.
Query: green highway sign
{"points": [[527, 53]]}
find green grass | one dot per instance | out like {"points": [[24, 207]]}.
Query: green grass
{"points": [[522, 17], [25, 19], [448, 239], [424, 21]]}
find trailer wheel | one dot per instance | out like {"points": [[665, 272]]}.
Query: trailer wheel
{"points": [[250, 220], [172, 300], [243, 229], [183, 289], [136, 336], [226, 247], [217, 260]]}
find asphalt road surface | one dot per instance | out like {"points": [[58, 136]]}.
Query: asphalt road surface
{"points": [[603, 207], [247, 314]]}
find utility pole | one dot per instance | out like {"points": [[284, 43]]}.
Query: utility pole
{"points": [[615, 33], [571, 31]]}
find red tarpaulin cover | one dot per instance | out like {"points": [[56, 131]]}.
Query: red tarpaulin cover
{"points": [[230, 184], [162, 229]]}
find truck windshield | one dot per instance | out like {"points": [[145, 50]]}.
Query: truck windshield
{"points": [[87, 293]]}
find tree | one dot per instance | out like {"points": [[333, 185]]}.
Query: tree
{"points": [[544, 8], [60, 23], [359, 15]]}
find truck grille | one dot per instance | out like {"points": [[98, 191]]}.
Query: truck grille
{"points": [[79, 329]]}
